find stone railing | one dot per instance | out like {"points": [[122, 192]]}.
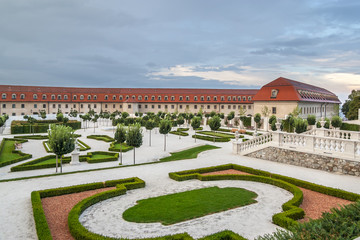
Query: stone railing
{"points": [[317, 144], [342, 134], [240, 147]]}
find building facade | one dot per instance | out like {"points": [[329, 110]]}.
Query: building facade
{"points": [[28, 100]]}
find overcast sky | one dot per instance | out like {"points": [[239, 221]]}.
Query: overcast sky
{"points": [[180, 43]]}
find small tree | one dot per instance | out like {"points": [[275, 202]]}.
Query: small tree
{"points": [[230, 116], [195, 124], [164, 128], [31, 121], [149, 125], [265, 111], [124, 115], [120, 137], [60, 116], [296, 112], [257, 119], [134, 137], [180, 121], [43, 114], [214, 123], [311, 119], [272, 122], [73, 113], [336, 122], [95, 119], [300, 125], [61, 141]]}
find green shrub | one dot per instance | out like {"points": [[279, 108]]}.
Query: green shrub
{"points": [[350, 127], [41, 126], [104, 138], [115, 147], [208, 138], [223, 235], [33, 137], [181, 133], [8, 154]]}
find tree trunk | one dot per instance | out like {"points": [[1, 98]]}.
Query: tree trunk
{"points": [[61, 164], [164, 142], [150, 138], [134, 155], [214, 136], [121, 153], [195, 136], [94, 127], [56, 163]]}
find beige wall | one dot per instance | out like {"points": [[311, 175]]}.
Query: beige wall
{"points": [[282, 107]]}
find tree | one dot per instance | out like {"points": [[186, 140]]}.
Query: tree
{"points": [[265, 111], [124, 115], [257, 119], [31, 121], [134, 137], [336, 122], [180, 121], [214, 123], [61, 141], [231, 116], [149, 125], [354, 107], [60, 116], [95, 119], [296, 112], [346, 106], [195, 124], [120, 137], [164, 128], [300, 125], [43, 114], [311, 119], [73, 113]]}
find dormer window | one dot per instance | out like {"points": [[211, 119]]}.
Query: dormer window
{"points": [[127, 97], [152, 97], [202, 98], [106, 97], [208, 98], [172, 98], [139, 98], [52, 97], [95, 97], [120, 97], [234, 98], [166, 98], [65, 97], [195, 98], [274, 93], [22, 96], [74, 97], [229, 98], [222, 98], [44, 96], [239, 98], [81, 97], [215, 98], [133, 97], [59, 97], [180, 98], [89, 97], [13, 96], [249, 98], [114, 97], [3, 96], [146, 98], [187, 98], [244, 98], [159, 98], [34, 96]]}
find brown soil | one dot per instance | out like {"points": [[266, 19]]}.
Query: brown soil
{"points": [[314, 203], [57, 210]]}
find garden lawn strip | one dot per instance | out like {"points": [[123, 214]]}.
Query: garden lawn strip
{"points": [[314, 203], [188, 154], [57, 210]]}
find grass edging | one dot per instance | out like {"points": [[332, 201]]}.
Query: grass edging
{"points": [[41, 225], [291, 212]]}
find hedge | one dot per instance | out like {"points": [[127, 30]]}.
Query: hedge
{"points": [[115, 157], [292, 212], [85, 146], [41, 225], [40, 126], [350, 127], [181, 133], [22, 156], [208, 138], [223, 235], [183, 129], [125, 147], [33, 137], [104, 138]]}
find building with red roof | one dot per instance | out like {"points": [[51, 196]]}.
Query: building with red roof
{"points": [[281, 96]]}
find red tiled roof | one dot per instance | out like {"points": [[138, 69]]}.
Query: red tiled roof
{"points": [[290, 90]]}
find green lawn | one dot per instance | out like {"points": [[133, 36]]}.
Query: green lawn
{"points": [[104, 138], [178, 207], [83, 146], [217, 134], [188, 154], [6, 155], [116, 147]]}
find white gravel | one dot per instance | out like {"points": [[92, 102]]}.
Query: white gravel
{"points": [[16, 220]]}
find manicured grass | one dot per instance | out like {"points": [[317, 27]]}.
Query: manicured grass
{"points": [[178, 207], [217, 134], [116, 147], [188, 154], [8, 154], [83, 146], [104, 138], [33, 137]]}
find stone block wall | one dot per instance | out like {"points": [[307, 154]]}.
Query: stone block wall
{"points": [[308, 160]]}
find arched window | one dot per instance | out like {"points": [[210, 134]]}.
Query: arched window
{"points": [[3, 96], [146, 98], [229, 98], [22, 96], [139, 98], [114, 97], [95, 97], [65, 97], [53, 97], [244, 98], [249, 98], [13, 96], [89, 97], [172, 98], [59, 97], [159, 98], [34, 96], [127, 97], [180, 98], [120, 97], [195, 98], [81, 97], [152, 97], [215, 98], [234, 98], [166, 98], [106, 97], [208, 98], [74, 97], [202, 98], [239, 98], [133, 97], [222, 98], [44, 96]]}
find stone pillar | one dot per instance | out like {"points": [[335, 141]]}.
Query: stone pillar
{"points": [[266, 124], [75, 154]]}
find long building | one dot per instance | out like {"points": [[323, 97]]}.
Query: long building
{"points": [[281, 96]]}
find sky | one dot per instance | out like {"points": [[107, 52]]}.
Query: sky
{"points": [[180, 43]]}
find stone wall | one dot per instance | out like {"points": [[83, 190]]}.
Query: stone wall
{"points": [[308, 160]]}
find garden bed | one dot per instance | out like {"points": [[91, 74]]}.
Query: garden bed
{"points": [[188, 153], [104, 138], [115, 147], [8, 154], [83, 146]]}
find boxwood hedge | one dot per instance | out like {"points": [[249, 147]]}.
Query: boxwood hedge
{"points": [[22, 156]]}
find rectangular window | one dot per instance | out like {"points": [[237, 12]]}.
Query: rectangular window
{"points": [[222, 106], [214, 106], [23, 106], [89, 105], [74, 106], [159, 106], [172, 106], [146, 106], [234, 106], [208, 106], [229, 106], [129, 106], [274, 110], [153, 106], [166, 106], [59, 105], [44, 105], [54, 106], [81, 106], [113, 105], [13, 114], [4, 105], [195, 106], [180, 106], [35, 105], [14, 106], [105, 105], [120, 106], [94, 105], [249, 107], [66, 106], [139, 105]]}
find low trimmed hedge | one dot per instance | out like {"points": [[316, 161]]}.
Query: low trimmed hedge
{"points": [[115, 157], [350, 127], [33, 137], [104, 138], [208, 138], [183, 129], [124, 146], [22, 156], [284, 219], [85, 146], [223, 235], [49, 150], [40, 126], [41, 225], [181, 133]]}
